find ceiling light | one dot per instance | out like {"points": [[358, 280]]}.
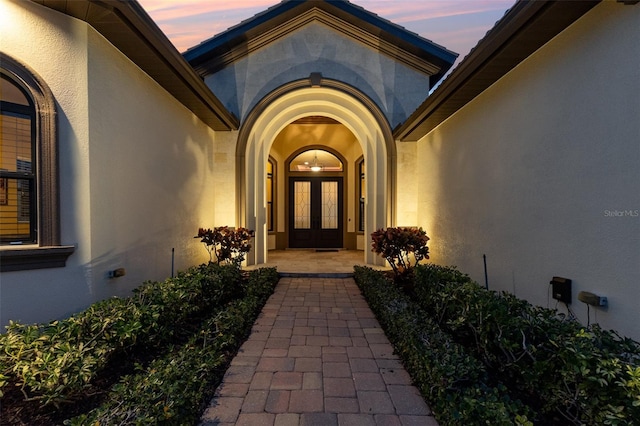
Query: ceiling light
{"points": [[315, 166]]}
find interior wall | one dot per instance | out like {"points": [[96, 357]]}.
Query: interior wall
{"points": [[540, 173]]}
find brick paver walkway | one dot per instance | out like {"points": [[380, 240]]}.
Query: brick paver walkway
{"points": [[317, 356]]}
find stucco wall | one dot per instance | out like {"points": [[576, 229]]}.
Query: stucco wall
{"points": [[395, 88], [532, 172], [59, 56], [151, 171], [407, 185], [137, 169]]}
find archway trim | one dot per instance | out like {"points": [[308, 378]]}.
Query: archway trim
{"points": [[302, 98]]}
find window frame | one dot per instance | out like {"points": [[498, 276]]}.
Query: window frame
{"points": [[271, 203], [360, 177], [47, 251]]}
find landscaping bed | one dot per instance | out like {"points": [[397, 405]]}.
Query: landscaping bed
{"points": [[155, 357], [481, 357]]}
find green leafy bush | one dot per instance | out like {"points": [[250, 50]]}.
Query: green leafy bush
{"points": [[456, 385], [227, 244], [174, 389], [583, 375], [54, 363]]}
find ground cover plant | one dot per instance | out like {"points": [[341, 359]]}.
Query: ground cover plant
{"points": [[164, 331]]}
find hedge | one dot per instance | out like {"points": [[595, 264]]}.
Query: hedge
{"points": [[577, 375], [456, 385], [57, 362], [174, 389]]}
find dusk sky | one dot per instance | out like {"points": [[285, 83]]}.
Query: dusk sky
{"points": [[455, 24]]}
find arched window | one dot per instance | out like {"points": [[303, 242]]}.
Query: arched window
{"points": [[315, 160], [18, 189], [29, 211]]}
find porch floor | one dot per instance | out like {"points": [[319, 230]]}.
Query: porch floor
{"points": [[318, 263]]}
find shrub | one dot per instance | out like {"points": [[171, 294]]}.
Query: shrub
{"points": [[56, 362], [175, 388], [227, 244], [169, 305], [456, 385], [584, 375], [399, 245]]}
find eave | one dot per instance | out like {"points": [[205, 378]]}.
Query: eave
{"points": [[526, 27], [130, 29], [351, 20]]}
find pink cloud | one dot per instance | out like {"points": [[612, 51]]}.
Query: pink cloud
{"points": [[408, 11], [170, 10], [455, 24]]}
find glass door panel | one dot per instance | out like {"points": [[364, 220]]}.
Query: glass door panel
{"points": [[302, 205], [329, 205]]}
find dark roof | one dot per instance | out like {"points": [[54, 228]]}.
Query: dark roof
{"points": [[526, 27], [128, 27], [217, 52]]}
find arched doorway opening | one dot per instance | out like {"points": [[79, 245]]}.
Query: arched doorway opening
{"points": [[332, 100]]}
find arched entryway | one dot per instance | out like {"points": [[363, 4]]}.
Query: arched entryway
{"points": [[292, 102]]}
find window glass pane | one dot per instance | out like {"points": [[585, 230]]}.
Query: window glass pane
{"points": [[316, 160], [302, 205], [269, 189], [9, 92], [361, 193], [15, 210], [24, 192], [329, 205], [15, 141], [270, 196]]}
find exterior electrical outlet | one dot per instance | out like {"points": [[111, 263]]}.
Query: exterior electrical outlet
{"points": [[561, 289]]}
